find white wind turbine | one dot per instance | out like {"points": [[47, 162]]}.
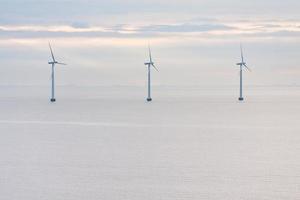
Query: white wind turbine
{"points": [[150, 64], [242, 65], [53, 63]]}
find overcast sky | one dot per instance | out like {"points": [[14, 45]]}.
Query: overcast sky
{"points": [[193, 42]]}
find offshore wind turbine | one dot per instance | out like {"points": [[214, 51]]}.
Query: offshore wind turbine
{"points": [[53, 63], [242, 65], [150, 64]]}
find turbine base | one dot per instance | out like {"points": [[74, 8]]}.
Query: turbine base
{"points": [[149, 99], [53, 100], [241, 99]]}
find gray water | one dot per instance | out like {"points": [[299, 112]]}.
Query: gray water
{"points": [[189, 143]]}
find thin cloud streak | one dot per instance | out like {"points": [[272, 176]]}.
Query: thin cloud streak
{"points": [[209, 27]]}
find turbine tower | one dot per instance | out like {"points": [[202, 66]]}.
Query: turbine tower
{"points": [[150, 64], [242, 65], [53, 63]]}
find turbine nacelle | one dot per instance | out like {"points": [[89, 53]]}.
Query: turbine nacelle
{"points": [[241, 64], [149, 63], [55, 62], [52, 63]]}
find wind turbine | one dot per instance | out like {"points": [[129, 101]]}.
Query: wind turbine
{"points": [[242, 65], [53, 63], [150, 64]]}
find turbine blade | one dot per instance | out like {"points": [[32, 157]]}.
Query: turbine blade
{"points": [[61, 63], [51, 52], [154, 67], [247, 68], [242, 53], [150, 54]]}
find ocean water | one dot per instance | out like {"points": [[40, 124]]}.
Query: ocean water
{"points": [[190, 143]]}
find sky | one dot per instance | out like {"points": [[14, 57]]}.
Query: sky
{"points": [[194, 43]]}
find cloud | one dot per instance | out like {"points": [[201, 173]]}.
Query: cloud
{"points": [[184, 28], [189, 32]]}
